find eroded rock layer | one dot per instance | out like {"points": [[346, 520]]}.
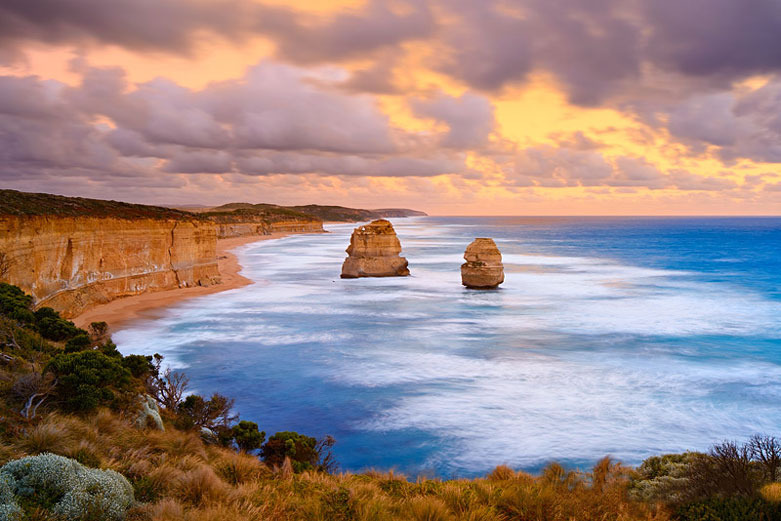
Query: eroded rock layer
{"points": [[374, 252], [72, 263], [483, 268]]}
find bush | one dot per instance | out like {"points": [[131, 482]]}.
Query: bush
{"points": [[65, 488], [287, 444], [195, 411], [52, 326], [15, 304], [730, 509], [88, 379], [139, 366], [78, 343], [247, 436]]}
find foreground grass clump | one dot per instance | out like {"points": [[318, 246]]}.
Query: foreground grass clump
{"points": [[62, 487], [175, 475]]}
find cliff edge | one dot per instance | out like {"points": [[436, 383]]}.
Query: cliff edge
{"points": [[72, 253]]}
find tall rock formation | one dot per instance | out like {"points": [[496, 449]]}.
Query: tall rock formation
{"points": [[483, 268], [374, 252]]}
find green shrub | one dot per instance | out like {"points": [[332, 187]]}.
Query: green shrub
{"points": [[15, 304], [247, 436], [65, 488], [78, 343], [88, 379], [52, 326], [664, 478], [730, 509], [139, 366], [299, 448]]}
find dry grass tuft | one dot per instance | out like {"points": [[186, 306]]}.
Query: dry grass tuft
{"points": [[771, 492], [236, 468], [427, 509], [47, 437], [501, 473], [201, 486]]}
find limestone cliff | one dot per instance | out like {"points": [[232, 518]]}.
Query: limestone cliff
{"points": [[483, 268], [374, 252], [263, 220], [71, 262], [248, 227]]}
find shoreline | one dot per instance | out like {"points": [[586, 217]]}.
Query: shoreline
{"points": [[119, 313]]}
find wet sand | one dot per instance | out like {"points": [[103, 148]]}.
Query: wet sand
{"points": [[120, 312]]}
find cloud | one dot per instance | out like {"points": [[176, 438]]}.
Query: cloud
{"points": [[470, 118], [134, 24], [548, 166], [738, 125], [715, 37], [308, 39], [274, 120], [596, 49]]}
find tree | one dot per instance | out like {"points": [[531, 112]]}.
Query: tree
{"points": [[299, 448], [167, 387], [766, 450], [247, 436], [195, 411]]}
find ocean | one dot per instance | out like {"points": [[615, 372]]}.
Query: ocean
{"points": [[626, 337]]}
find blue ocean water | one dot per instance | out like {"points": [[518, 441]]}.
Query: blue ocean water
{"points": [[610, 336]]}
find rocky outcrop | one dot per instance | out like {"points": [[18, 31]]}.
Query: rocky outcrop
{"points": [[73, 262], [374, 252], [483, 268], [149, 415]]}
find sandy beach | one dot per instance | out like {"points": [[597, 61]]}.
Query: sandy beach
{"points": [[120, 312]]}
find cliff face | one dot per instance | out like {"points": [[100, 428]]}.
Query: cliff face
{"points": [[258, 226], [374, 252], [73, 262]]}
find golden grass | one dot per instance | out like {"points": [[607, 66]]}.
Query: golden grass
{"points": [[177, 477], [772, 492]]}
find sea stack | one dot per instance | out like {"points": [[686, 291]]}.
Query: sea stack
{"points": [[374, 252], [483, 268]]}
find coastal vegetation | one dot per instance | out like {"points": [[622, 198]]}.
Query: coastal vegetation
{"points": [[87, 433]]}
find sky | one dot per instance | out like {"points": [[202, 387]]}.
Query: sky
{"points": [[453, 107]]}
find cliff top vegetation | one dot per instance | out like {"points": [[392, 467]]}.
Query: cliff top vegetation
{"points": [[320, 212], [13, 202]]}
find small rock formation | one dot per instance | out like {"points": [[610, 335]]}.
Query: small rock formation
{"points": [[149, 416], [374, 252], [483, 268]]}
